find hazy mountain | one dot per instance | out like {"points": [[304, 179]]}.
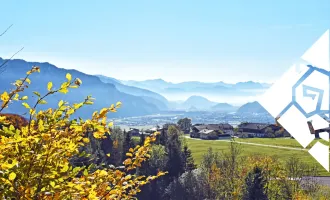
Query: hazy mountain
{"points": [[249, 85], [149, 96], [109, 79], [105, 93], [252, 107], [192, 109], [216, 89], [223, 107], [154, 85], [198, 102]]}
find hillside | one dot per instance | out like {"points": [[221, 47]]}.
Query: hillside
{"points": [[104, 93], [198, 102], [252, 107], [223, 107], [149, 96]]}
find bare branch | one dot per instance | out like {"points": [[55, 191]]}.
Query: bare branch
{"points": [[3, 65], [6, 30]]}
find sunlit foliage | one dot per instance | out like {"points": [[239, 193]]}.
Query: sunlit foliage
{"points": [[35, 157]]}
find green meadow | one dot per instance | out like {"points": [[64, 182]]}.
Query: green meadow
{"points": [[200, 147]]}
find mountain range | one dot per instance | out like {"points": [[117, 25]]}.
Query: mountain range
{"points": [[138, 97], [104, 93], [163, 87]]}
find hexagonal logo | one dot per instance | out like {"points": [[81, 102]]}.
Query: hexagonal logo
{"points": [[301, 96]]}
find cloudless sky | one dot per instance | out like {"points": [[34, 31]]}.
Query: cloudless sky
{"points": [[177, 41]]}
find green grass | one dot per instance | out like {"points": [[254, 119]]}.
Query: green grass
{"points": [[287, 142], [200, 147]]}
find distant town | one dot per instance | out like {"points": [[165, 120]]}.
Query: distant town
{"points": [[234, 119]]}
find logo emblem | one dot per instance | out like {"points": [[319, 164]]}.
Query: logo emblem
{"points": [[302, 95]]}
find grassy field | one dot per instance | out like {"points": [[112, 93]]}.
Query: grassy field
{"points": [[287, 142], [200, 147]]}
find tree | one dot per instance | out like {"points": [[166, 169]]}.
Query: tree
{"points": [[117, 152], [163, 137], [255, 184], [128, 143], [190, 185], [189, 163], [35, 159], [142, 138], [184, 125], [157, 162], [270, 132], [175, 165]]}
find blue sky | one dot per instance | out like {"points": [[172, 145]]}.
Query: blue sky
{"points": [[177, 41]]}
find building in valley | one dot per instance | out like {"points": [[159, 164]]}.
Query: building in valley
{"points": [[257, 129], [218, 129]]}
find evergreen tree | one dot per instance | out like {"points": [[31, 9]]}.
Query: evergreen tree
{"points": [[127, 144], [142, 138], [175, 164], [163, 137], [188, 160], [255, 184]]}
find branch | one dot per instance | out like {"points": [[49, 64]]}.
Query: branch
{"points": [[6, 30], [2, 66]]}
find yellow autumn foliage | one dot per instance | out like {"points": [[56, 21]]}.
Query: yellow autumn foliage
{"points": [[35, 158]]}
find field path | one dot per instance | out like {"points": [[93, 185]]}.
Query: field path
{"points": [[255, 144]]}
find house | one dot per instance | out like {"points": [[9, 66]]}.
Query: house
{"points": [[218, 128], [208, 134], [257, 129], [134, 132]]}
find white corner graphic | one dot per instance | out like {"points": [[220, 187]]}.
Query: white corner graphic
{"points": [[318, 54], [301, 98]]}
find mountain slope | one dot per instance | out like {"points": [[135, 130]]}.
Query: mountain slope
{"points": [[198, 102], [223, 107], [252, 107], [149, 96], [104, 93]]}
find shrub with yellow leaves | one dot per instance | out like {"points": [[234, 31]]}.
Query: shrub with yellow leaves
{"points": [[35, 158]]}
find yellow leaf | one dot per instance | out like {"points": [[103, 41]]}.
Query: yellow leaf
{"points": [[5, 96], [129, 154], [45, 136], [37, 93], [12, 176], [64, 90], [108, 154], [65, 168], [16, 97], [24, 98], [79, 105], [118, 104], [42, 102], [98, 135], [110, 124], [70, 111], [52, 183], [32, 111], [68, 76], [73, 86], [26, 105], [60, 104], [85, 140], [28, 80], [49, 86]]}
